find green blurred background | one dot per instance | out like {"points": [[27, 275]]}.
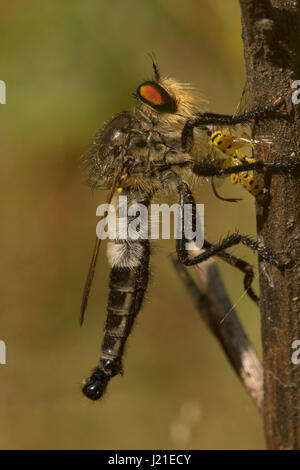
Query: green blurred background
{"points": [[69, 66]]}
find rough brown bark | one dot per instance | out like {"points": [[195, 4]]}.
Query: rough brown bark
{"points": [[271, 35]]}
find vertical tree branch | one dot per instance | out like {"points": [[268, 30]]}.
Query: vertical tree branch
{"points": [[271, 35]]}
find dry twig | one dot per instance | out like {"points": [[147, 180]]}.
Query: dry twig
{"points": [[213, 305]]}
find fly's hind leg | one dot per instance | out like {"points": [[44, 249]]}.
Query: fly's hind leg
{"points": [[241, 265], [211, 250]]}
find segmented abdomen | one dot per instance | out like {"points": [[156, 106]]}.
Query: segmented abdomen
{"points": [[128, 283], [127, 289]]}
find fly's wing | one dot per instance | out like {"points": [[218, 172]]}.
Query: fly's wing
{"points": [[202, 151], [242, 106], [91, 271], [103, 162], [245, 137], [105, 153]]}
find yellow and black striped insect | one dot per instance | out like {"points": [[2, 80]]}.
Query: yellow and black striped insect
{"points": [[138, 153], [228, 143]]}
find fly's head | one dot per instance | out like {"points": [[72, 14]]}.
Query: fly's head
{"points": [[136, 143], [168, 101]]}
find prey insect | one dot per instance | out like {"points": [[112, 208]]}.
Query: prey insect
{"points": [[139, 153], [230, 145]]}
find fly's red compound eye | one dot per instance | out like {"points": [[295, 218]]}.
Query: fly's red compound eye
{"points": [[157, 97], [151, 94]]}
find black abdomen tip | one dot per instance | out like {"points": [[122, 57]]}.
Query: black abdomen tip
{"points": [[96, 384]]}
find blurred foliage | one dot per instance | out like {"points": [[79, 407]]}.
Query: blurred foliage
{"points": [[68, 67]]}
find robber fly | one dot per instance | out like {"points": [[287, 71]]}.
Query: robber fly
{"points": [[138, 153]]}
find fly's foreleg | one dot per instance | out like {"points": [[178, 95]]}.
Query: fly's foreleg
{"points": [[203, 120]]}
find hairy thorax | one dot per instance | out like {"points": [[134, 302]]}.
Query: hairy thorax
{"points": [[141, 145]]}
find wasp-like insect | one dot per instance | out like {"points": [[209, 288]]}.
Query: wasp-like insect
{"points": [[139, 153], [231, 145]]}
